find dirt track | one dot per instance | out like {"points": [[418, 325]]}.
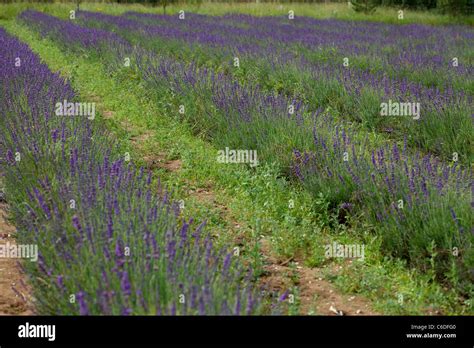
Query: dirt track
{"points": [[14, 293]]}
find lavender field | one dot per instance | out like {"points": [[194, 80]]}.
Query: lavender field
{"points": [[189, 164]]}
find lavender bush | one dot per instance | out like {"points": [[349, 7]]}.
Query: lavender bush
{"points": [[420, 206], [110, 240]]}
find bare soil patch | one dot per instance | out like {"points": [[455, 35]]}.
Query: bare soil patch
{"points": [[15, 298], [316, 294]]}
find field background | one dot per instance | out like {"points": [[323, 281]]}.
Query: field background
{"points": [[250, 206], [337, 10]]}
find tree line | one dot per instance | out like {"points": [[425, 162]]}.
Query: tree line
{"points": [[444, 6]]}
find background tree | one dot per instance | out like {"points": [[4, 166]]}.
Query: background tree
{"points": [[455, 7], [163, 3], [366, 6]]}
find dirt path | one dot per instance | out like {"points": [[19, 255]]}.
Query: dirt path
{"points": [[316, 295], [14, 292]]}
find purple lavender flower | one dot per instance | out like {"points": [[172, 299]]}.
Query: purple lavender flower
{"points": [[76, 223], [284, 296], [83, 308], [125, 284]]}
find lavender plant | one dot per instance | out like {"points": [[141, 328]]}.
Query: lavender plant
{"points": [[420, 206], [110, 241]]}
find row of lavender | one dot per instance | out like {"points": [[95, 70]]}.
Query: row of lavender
{"points": [[419, 205], [109, 242], [411, 47], [305, 58]]}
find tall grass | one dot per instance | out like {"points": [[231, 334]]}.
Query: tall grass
{"points": [[316, 10]]}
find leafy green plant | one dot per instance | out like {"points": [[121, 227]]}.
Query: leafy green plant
{"points": [[365, 6]]}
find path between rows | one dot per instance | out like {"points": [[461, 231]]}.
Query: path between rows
{"points": [[316, 294], [15, 298]]}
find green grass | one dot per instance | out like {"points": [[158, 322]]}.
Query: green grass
{"points": [[323, 10], [257, 201]]}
